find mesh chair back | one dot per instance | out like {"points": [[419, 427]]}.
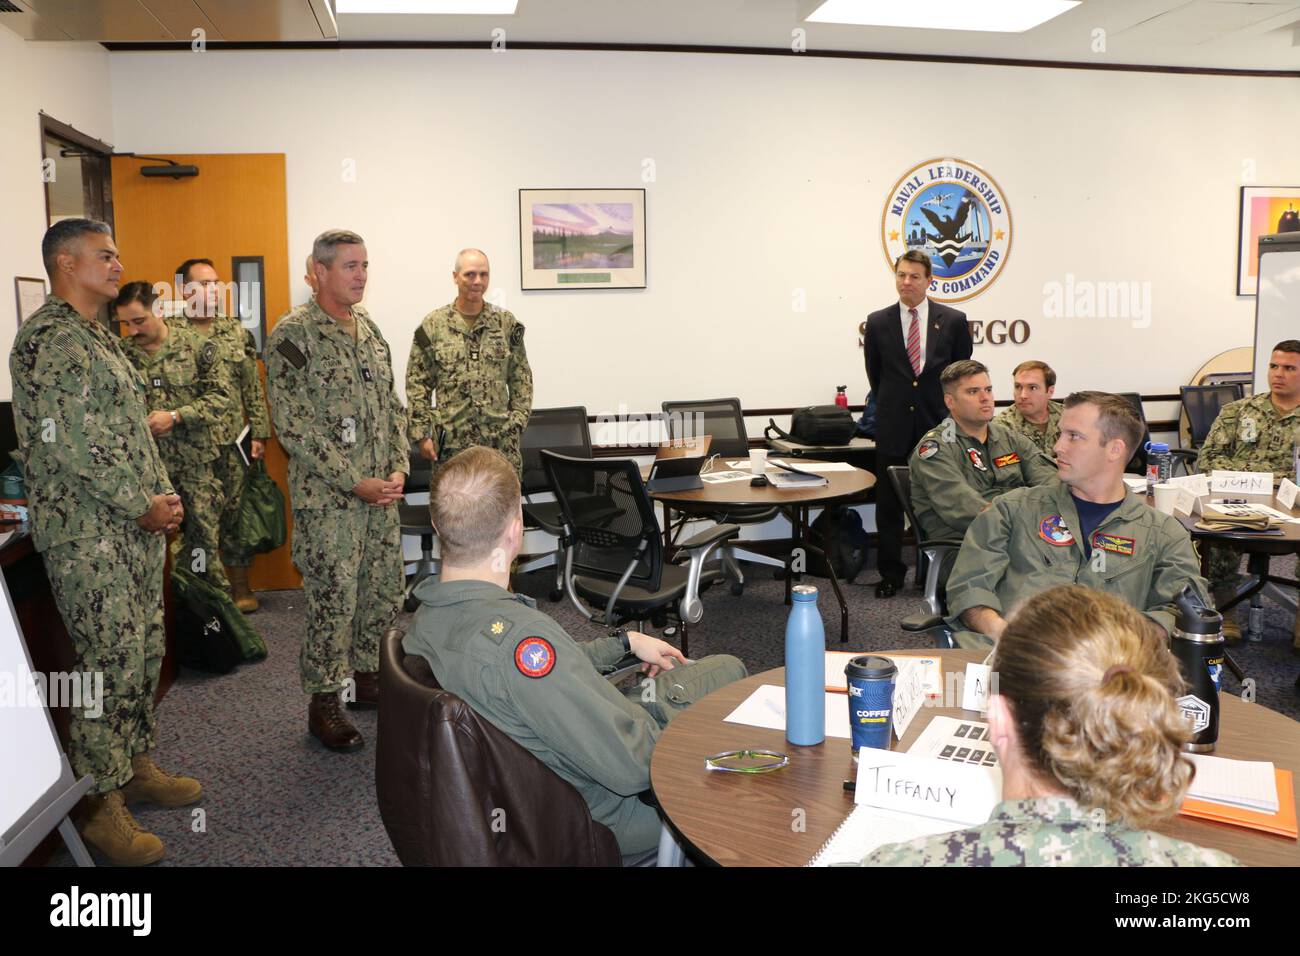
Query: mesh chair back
{"points": [[1203, 404], [719, 417], [609, 516], [562, 430], [1138, 463], [420, 474], [901, 478]]}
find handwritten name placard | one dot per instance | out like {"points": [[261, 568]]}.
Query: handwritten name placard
{"points": [[926, 786], [1197, 485], [1241, 482], [1286, 493]]}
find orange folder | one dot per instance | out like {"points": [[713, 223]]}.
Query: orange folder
{"points": [[1283, 823]]}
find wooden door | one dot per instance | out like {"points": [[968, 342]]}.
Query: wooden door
{"points": [[234, 208]]}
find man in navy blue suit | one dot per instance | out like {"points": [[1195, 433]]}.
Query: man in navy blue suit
{"points": [[907, 345]]}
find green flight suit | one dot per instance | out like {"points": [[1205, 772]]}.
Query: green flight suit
{"points": [[339, 419], [482, 381], [519, 670], [1023, 545], [242, 382], [1045, 438], [1047, 831], [92, 469], [955, 476], [184, 376]]}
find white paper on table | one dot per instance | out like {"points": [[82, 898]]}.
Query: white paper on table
{"points": [[958, 740], [837, 661], [1239, 783], [934, 788], [868, 828], [1242, 482], [816, 467], [1136, 484], [765, 707], [1286, 493], [738, 464], [1185, 501], [1198, 485], [717, 477]]}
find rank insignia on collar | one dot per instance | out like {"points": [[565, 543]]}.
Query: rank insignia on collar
{"points": [[1003, 460], [1054, 531], [1113, 543], [535, 657], [929, 448], [498, 627], [976, 459]]}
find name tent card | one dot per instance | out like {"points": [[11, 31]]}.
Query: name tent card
{"points": [[1286, 493], [1197, 485], [942, 789], [1242, 482]]}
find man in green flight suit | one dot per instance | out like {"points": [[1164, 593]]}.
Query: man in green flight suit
{"points": [[967, 460], [1260, 433], [1082, 527], [100, 502], [1034, 415], [471, 354], [520, 670], [331, 379], [185, 396], [238, 364]]}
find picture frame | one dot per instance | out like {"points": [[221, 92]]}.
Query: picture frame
{"points": [[577, 239], [29, 295], [1261, 213]]}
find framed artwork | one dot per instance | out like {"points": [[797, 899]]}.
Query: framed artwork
{"points": [[582, 239], [30, 294], [1264, 210]]}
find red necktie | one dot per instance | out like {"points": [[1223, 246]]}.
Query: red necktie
{"points": [[914, 343]]}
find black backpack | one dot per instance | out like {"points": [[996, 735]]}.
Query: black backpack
{"points": [[848, 543], [203, 641], [816, 425]]}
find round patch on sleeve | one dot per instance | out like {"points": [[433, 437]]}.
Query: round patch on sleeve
{"points": [[928, 449], [535, 657]]}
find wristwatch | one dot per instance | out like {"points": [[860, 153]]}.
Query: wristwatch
{"points": [[621, 634], [176, 419]]}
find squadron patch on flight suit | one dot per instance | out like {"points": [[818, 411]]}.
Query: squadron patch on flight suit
{"points": [[929, 448], [535, 657], [1004, 460], [1053, 530], [976, 459], [1113, 543]]}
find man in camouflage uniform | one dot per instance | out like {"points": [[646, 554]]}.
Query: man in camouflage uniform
{"points": [[967, 460], [1034, 415], [336, 414], [1259, 433], [100, 502], [519, 669], [471, 354], [237, 361], [1082, 527], [183, 391]]}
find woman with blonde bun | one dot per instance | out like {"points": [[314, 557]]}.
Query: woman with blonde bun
{"points": [[1089, 740]]}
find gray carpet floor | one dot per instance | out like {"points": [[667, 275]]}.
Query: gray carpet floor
{"points": [[274, 796]]}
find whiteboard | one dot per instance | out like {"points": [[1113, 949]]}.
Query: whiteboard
{"points": [[1277, 302], [30, 756]]}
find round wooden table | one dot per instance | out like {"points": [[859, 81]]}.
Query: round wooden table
{"points": [[795, 502], [783, 818]]}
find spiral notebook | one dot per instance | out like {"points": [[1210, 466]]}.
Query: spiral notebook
{"points": [[868, 828]]}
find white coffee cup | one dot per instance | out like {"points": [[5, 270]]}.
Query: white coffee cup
{"points": [[758, 461], [1165, 496]]}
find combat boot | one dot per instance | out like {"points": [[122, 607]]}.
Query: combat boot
{"points": [[151, 784], [327, 723], [367, 690], [244, 599], [111, 830]]}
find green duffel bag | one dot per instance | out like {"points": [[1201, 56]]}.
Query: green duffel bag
{"points": [[261, 526], [196, 592]]}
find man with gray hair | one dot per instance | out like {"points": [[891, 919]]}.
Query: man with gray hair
{"points": [[471, 354], [337, 415]]}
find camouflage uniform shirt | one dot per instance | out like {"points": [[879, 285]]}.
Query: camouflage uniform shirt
{"points": [[91, 465], [1252, 435], [336, 412], [1046, 439], [240, 379], [955, 476], [184, 376], [481, 377], [1048, 831]]}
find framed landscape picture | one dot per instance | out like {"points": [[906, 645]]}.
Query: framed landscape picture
{"points": [[582, 239], [1264, 210]]}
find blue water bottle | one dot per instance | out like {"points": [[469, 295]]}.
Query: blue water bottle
{"points": [[805, 670]]}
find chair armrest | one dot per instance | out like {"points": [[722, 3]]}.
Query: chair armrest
{"points": [[625, 665], [711, 536], [921, 621], [700, 548]]}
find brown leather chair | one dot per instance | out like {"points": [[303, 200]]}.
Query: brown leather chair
{"points": [[455, 791]]}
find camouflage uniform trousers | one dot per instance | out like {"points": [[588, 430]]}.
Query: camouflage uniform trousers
{"points": [[196, 547], [109, 593], [351, 564], [1223, 563], [229, 470]]}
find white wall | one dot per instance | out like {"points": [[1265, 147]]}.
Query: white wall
{"points": [[70, 82], [771, 177]]}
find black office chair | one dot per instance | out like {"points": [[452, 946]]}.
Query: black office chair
{"points": [[938, 554], [415, 520], [562, 430], [1137, 465], [613, 552], [1202, 403], [721, 418]]}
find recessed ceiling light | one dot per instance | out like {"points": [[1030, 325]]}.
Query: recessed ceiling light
{"points": [[997, 16], [456, 7]]}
